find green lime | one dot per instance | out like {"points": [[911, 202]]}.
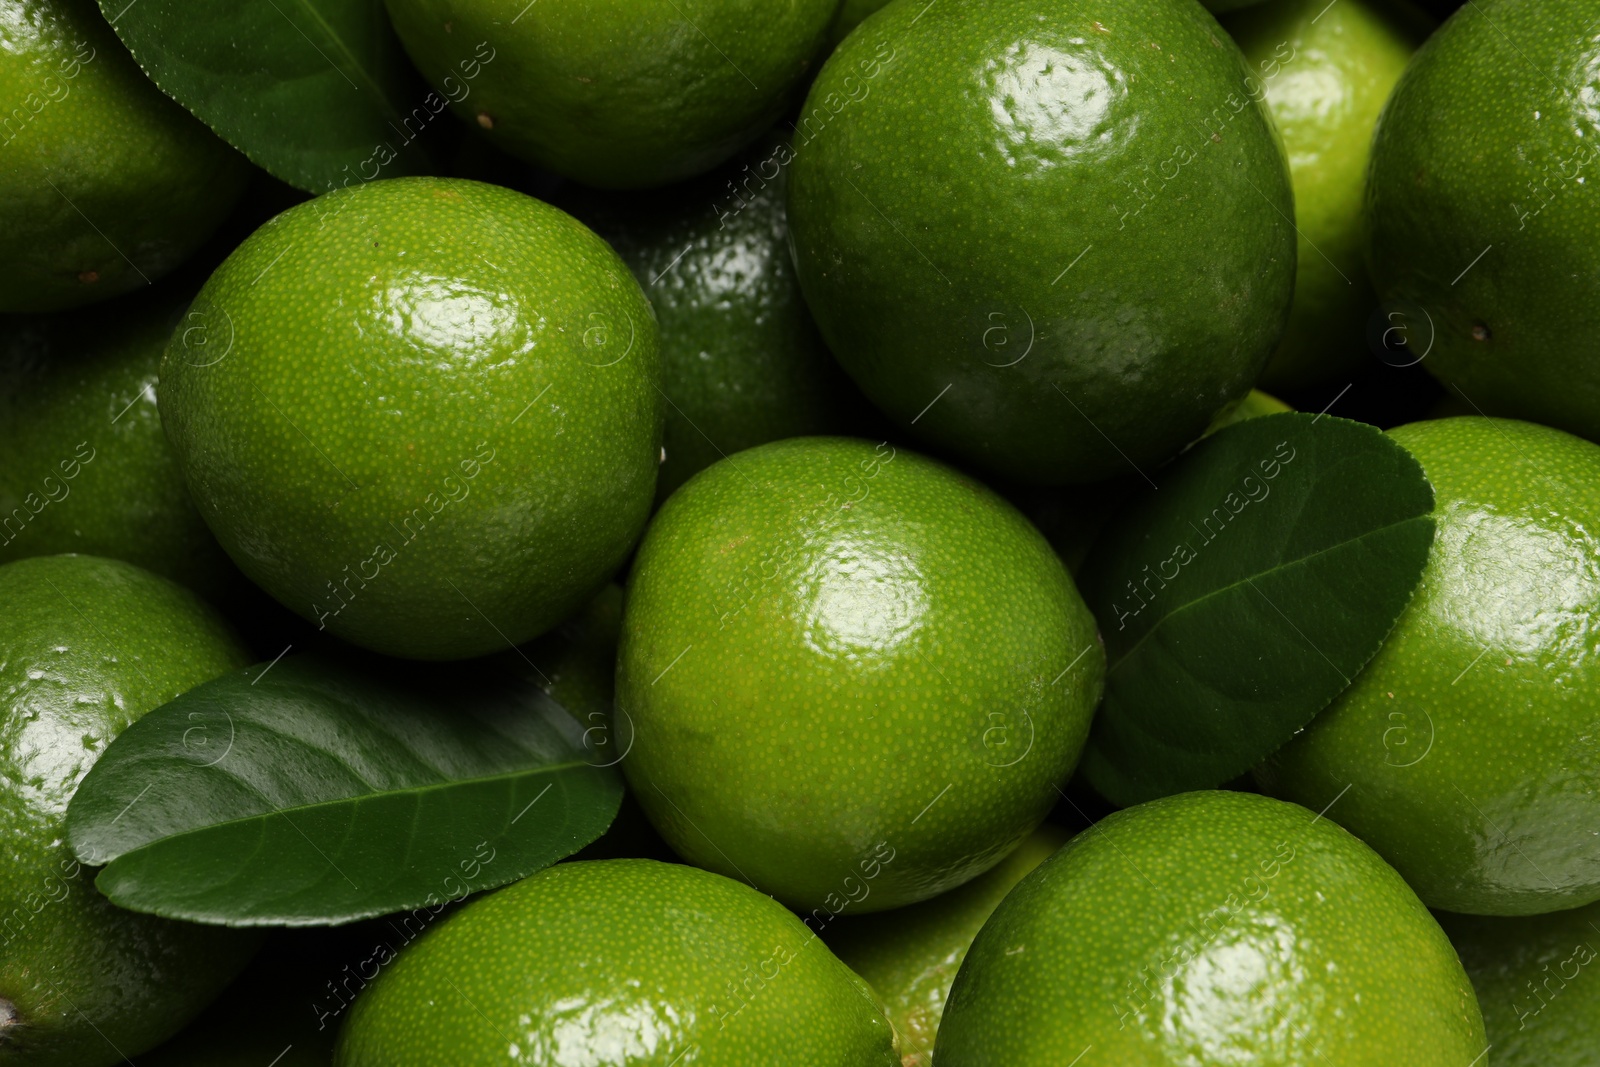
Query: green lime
{"points": [[741, 360], [107, 184], [853, 676], [1466, 745], [84, 465], [423, 413], [1053, 240], [1535, 981], [1484, 225], [910, 956], [87, 646], [618, 961], [621, 94], [1326, 72], [1212, 929]]}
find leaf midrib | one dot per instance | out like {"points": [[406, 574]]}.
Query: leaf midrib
{"points": [[1286, 565], [344, 50], [325, 804]]}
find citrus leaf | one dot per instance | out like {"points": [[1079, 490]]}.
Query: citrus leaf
{"points": [[316, 92], [321, 791], [1245, 593]]}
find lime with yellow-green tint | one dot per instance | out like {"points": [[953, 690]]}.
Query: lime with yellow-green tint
{"points": [[741, 360], [1466, 744], [618, 962], [84, 464], [87, 646], [1212, 929], [855, 677], [910, 956], [1325, 72], [105, 183], [1051, 240], [620, 94], [1482, 210], [1536, 978], [423, 413]]}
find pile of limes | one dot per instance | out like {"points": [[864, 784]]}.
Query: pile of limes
{"points": [[754, 379]]}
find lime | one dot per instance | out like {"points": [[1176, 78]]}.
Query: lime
{"points": [[84, 465], [617, 93], [1326, 72], [741, 360], [107, 184], [618, 962], [1465, 744], [1484, 227], [853, 676], [910, 956], [423, 413], [1054, 240], [87, 646], [1206, 930], [1533, 977]]}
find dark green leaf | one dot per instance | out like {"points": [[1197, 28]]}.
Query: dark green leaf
{"points": [[1239, 598], [316, 92], [321, 791]]}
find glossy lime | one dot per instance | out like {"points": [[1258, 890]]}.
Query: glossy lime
{"points": [[84, 464], [621, 94], [107, 184], [1467, 744], [618, 962], [910, 956], [1482, 209], [1208, 930], [423, 413], [1054, 240], [741, 360], [87, 646], [1536, 982], [1326, 72], [855, 677]]}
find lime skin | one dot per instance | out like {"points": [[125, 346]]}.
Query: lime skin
{"points": [[1326, 72], [853, 676], [910, 956], [1211, 929], [1483, 226], [84, 464], [423, 413], [1535, 981], [107, 184], [87, 646], [1466, 743], [742, 362], [1053, 240], [619, 94], [618, 961]]}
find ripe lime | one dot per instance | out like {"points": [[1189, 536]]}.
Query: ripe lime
{"points": [[423, 413], [618, 962], [87, 646], [1465, 744], [854, 676], [1207, 930]]}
